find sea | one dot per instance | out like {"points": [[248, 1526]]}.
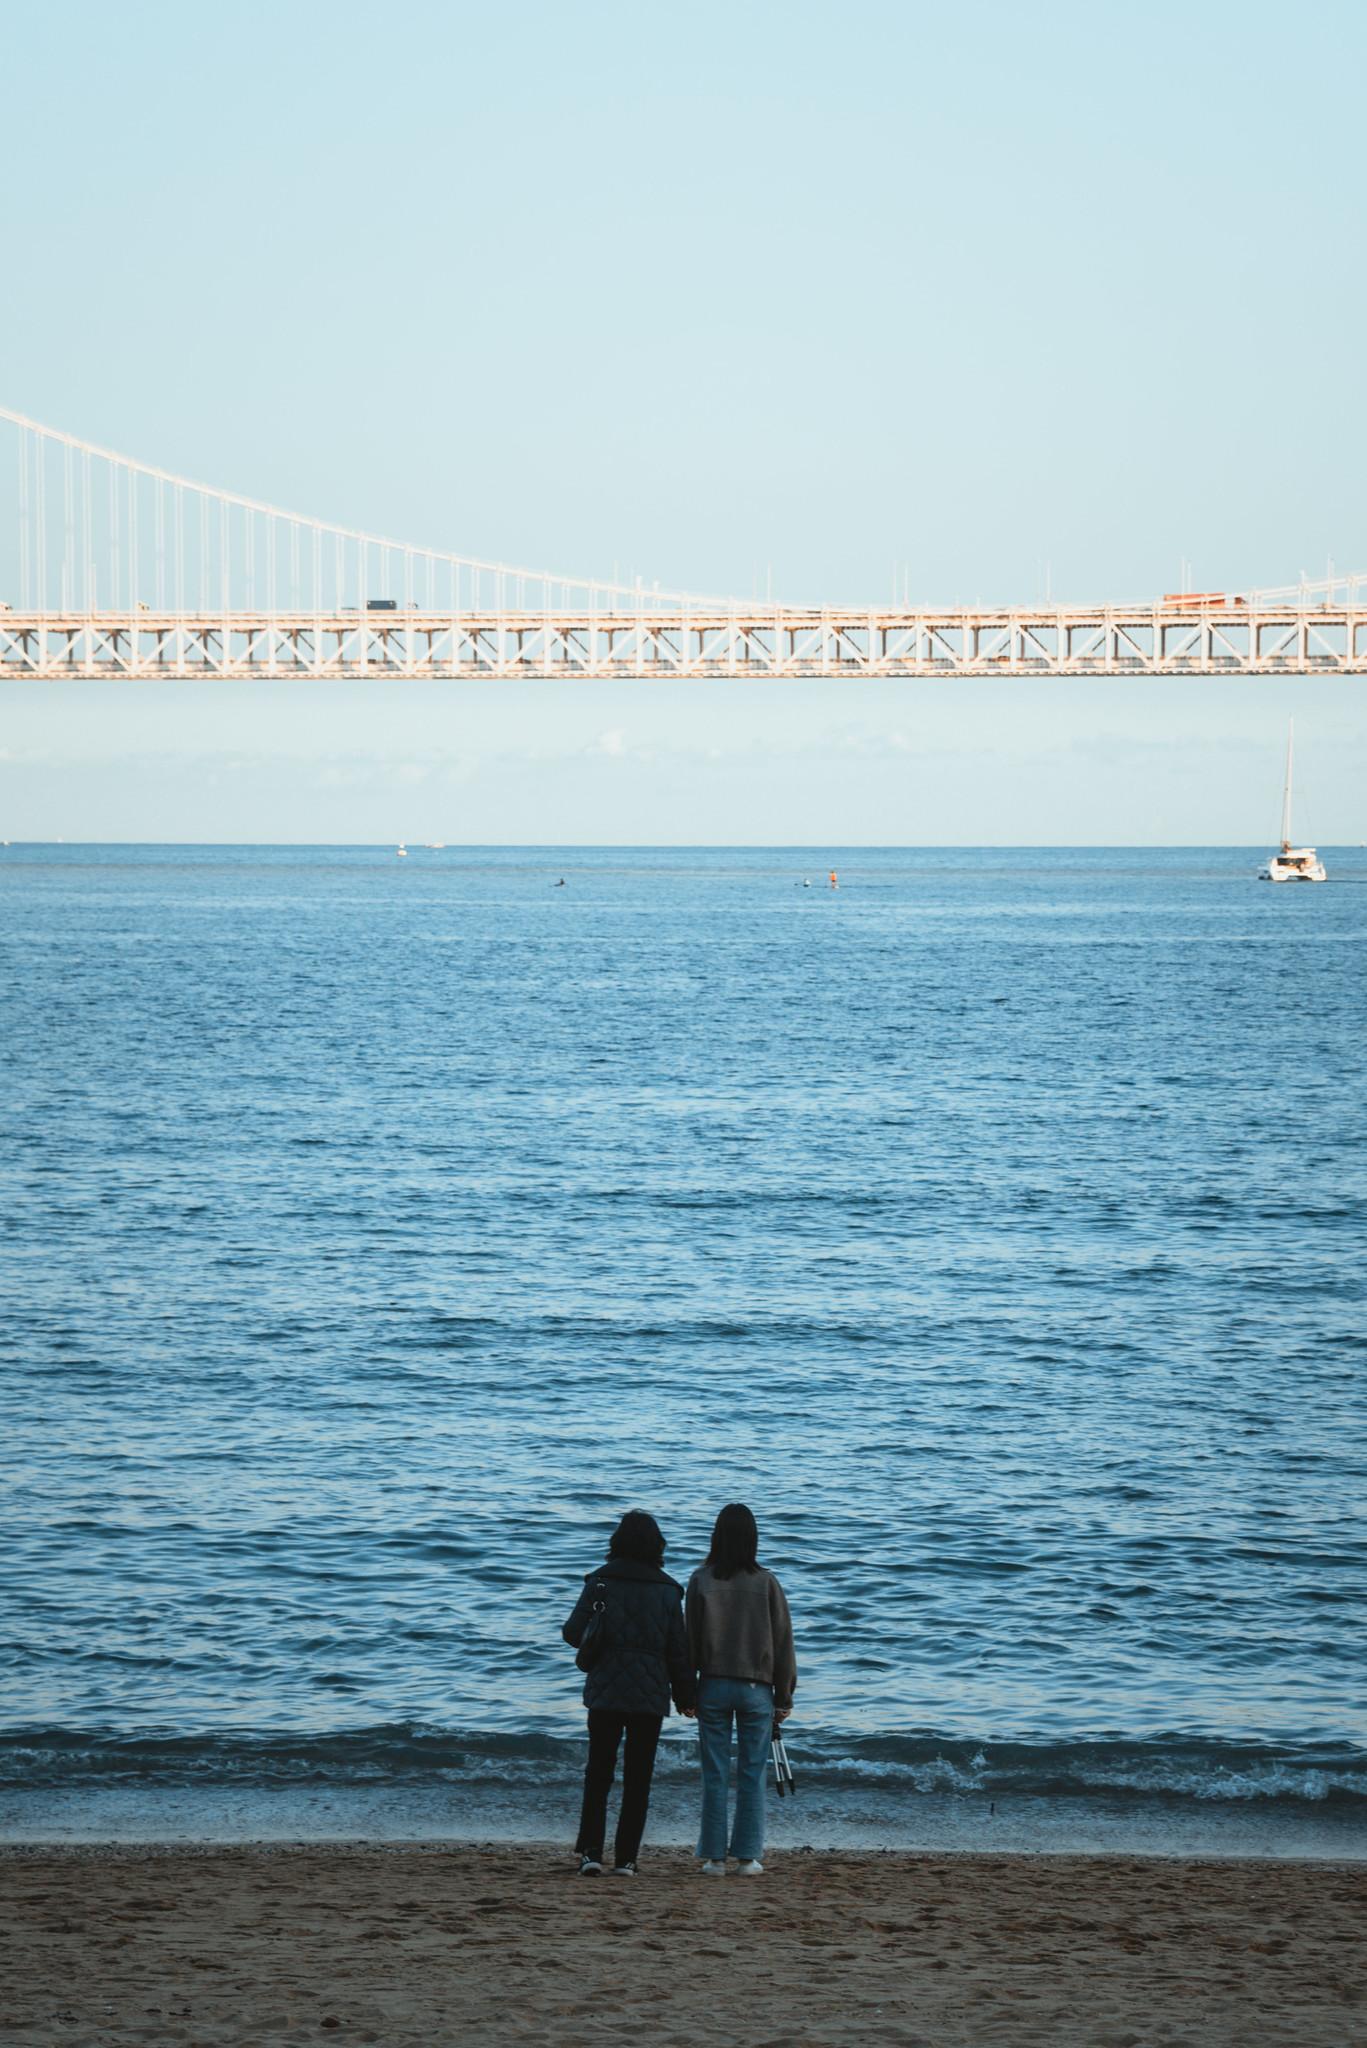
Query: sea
{"points": [[376, 1228]]}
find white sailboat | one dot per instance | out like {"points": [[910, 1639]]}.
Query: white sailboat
{"points": [[1293, 863]]}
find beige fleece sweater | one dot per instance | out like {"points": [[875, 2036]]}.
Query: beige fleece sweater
{"points": [[741, 1628]]}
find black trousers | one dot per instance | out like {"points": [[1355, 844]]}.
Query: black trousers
{"points": [[606, 1730]]}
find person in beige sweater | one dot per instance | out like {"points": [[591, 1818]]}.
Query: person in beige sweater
{"points": [[740, 1637]]}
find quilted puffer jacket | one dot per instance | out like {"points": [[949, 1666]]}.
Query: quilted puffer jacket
{"points": [[646, 1658]]}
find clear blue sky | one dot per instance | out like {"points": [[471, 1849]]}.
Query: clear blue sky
{"points": [[988, 290]]}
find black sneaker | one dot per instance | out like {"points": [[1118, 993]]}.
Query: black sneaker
{"points": [[589, 1866], [625, 1870]]}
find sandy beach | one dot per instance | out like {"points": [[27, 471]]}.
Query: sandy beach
{"points": [[399, 1946]]}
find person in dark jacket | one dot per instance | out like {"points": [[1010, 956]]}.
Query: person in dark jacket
{"points": [[644, 1658]]}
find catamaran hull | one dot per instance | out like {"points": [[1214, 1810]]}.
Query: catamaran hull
{"points": [[1275, 872]]}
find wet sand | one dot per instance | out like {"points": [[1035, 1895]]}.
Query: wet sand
{"points": [[430, 1946]]}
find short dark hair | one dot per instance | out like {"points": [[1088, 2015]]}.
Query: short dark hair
{"points": [[735, 1542], [637, 1537]]}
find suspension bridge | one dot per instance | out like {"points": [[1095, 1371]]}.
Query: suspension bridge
{"points": [[123, 570]]}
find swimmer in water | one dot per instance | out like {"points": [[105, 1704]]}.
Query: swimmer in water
{"points": [[835, 879]]}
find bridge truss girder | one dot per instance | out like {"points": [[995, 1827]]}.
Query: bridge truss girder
{"points": [[760, 642]]}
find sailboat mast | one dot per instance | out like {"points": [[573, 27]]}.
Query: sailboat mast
{"points": [[1286, 793]]}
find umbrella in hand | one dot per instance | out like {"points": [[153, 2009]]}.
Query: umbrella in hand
{"points": [[783, 1770]]}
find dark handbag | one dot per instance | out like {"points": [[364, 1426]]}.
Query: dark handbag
{"points": [[594, 1640]]}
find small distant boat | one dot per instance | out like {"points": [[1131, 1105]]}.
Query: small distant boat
{"points": [[1293, 863], [402, 852]]}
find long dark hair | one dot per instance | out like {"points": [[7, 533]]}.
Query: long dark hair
{"points": [[638, 1538], [735, 1543]]}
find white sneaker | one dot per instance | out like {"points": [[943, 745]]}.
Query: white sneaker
{"points": [[752, 1867], [714, 1870]]}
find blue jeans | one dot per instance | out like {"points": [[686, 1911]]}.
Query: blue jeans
{"points": [[720, 1702]]}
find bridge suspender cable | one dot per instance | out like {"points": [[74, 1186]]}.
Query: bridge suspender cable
{"points": [[243, 549]]}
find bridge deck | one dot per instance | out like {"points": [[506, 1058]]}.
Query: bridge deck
{"points": [[761, 641]]}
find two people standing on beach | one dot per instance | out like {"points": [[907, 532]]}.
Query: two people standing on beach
{"points": [[723, 1651]]}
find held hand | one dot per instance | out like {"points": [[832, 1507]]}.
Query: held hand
{"points": [[689, 1713], [782, 1713]]}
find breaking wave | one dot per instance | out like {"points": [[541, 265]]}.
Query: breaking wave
{"points": [[914, 1765]]}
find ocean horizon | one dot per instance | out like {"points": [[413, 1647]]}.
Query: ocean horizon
{"points": [[816, 851]]}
